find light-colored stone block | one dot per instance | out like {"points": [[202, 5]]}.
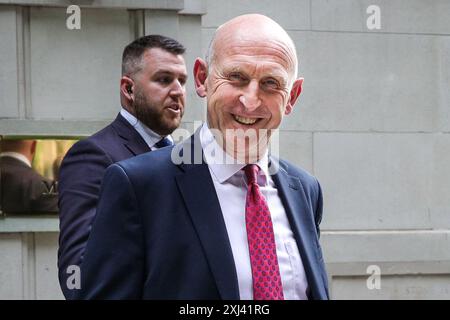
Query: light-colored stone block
{"points": [[372, 247], [296, 147], [290, 14], [51, 128], [11, 280], [9, 107], [103, 4], [399, 16], [372, 82], [385, 280], [382, 181], [398, 287], [162, 22], [207, 35], [443, 59], [47, 285], [440, 180], [194, 7], [191, 37], [26, 223], [75, 74]]}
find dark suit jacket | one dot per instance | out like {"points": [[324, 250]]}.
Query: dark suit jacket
{"points": [[160, 234], [23, 190], [80, 177]]}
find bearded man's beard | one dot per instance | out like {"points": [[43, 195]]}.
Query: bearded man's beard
{"points": [[153, 117]]}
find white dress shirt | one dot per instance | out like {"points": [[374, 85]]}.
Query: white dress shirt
{"points": [[150, 137], [231, 188], [17, 156]]}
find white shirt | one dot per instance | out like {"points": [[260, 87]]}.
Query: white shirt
{"points": [[150, 137], [17, 156], [231, 188]]}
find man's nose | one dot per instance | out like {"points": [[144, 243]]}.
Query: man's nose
{"points": [[250, 97], [177, 89]]}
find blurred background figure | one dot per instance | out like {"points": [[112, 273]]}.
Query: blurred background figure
{"points": [[22, 189]]}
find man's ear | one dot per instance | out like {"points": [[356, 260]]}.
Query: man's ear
{"points": [[33, 146], [293, 95], [126, 87], [200, 75]]}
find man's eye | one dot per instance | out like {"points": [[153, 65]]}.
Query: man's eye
{"points": [[236, 77], [164, 80], [271, 83]]}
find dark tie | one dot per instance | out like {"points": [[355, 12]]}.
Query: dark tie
{"points": [[261, 242], [164, 142]]}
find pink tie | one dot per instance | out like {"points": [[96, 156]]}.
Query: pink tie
{"points": [[261, 242]]}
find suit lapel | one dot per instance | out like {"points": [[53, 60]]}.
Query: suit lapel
{"points": [[131, 138], [295, 203], [198, 192]]}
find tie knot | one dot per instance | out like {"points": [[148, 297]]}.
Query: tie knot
{"points": [[251, 172], [164, 142]]}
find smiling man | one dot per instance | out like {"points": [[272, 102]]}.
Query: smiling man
{"points": [[249, 85], [152, 96], [225, 227]]}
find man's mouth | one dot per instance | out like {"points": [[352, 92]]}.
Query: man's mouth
{"points": [[174, 108], [244, 120]]}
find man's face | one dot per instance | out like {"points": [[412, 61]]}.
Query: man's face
{"points": [[249, 87], [159, 90]]}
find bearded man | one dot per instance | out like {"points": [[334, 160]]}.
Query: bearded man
{"points": [[152, 96]]}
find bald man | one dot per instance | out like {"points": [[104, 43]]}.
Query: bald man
{"points": [[23, 190], [234, 223]]}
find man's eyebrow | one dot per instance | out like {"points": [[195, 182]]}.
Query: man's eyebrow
{"points": [[278, 75], [167, 72], [233, 69]]}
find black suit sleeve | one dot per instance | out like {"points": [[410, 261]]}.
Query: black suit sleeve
{"points": [[113, 265], [80, 178]]}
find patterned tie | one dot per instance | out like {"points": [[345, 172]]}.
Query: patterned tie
{"points": [[164, 142], [261, 242]]}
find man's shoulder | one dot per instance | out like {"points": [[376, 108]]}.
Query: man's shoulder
{"points": [[158, 159], [302, 174], [7, 163], [310, 185], [10, 165], [105, 141], [15, 169], [100, 139], [150, 169]]}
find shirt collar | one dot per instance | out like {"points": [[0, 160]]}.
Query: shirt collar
{"points": [[17, 156], [222, 165], [150, 137]]}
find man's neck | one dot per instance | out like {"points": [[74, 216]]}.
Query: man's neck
{"points": [[149, 136]]}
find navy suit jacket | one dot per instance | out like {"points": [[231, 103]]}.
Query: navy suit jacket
{"points": [[80, 178], [159, 232]]}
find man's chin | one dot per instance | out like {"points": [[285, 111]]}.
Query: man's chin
{"points": [[163, 126], [245, 153]]}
